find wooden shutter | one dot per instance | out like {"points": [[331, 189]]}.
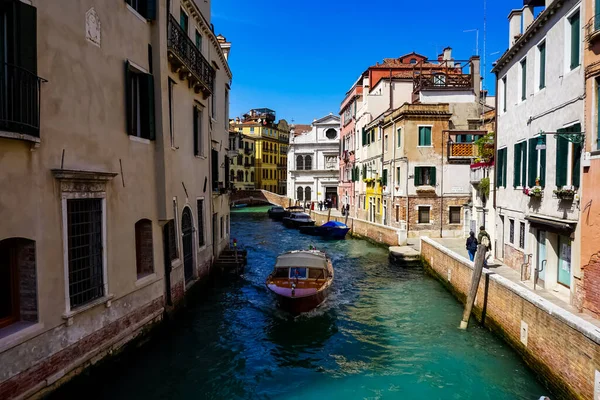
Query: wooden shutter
{"points": [[542, 49], [215, 169], [364, 137], [575, 35], [532, 162], [22, 27], [562, 154], [150, 10], [196, 141], [385, 177], [576, 175], [524, 79], [504, 167], [128, 105], [524, 163], [543, 167], [517, 165], [499, 168], [417, 177], [147, 104], [432, 176]]}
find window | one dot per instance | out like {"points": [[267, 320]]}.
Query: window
{"points": [[413, 60], [222, 227], [308, 162], [300, 193], [146, 8], [331, 133], [520, 164], [454, 214], [198, 41], [251, 129], [384, 177], [574, 45], [385, 143], [542, 65], [568, 158], [523, 79], [226, 108], [536, 162], [183, 20], [511, 231], [397, 213], [240, 159], [399, 137], [501, 167], [439, 79], [198, 137], [424, 213], [398, 176], [425, 176], [308, 194], [425, 136], [139, 93], [171, 119], [522, 235], [18, 282], [144, 249], [504, 100], [85, 254], [215, 169], [213, 105]]}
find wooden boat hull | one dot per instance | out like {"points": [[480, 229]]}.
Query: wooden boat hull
{"points": [[290, 223], [299, 305]]}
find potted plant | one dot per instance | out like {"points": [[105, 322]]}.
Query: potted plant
{"points": [[565, 194], [535, 192], [537, 181]]}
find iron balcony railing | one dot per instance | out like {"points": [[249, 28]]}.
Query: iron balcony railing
{"points": [[185, 52], [592, 28], [19, 100]]}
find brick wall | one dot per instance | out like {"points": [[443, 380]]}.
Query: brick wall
{"points": [[561, 347], [439, 214], [590, 288], [364, 229], [514, 258]]}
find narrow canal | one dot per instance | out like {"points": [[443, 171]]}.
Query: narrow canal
{"points": [[384, 333]]}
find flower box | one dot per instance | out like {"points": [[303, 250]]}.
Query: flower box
{"points": [[534, 192], [565, 194]]}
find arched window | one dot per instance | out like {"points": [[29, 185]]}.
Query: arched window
{"points": [[232, 176], [413, 60], [18, 282], [251, 176], [299, 162], [144, 249], [300, 193], [240, 159], [240, 176], [307, 195], [247, 161], [246, 176], [331, 133], [308, 162]]}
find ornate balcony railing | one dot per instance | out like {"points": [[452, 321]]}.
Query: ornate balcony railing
{"points": [[592, 29], [187, 60], [19, 100], [462, 151]]}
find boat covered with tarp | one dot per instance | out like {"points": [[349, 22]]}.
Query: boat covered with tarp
{"points": [[329, 230]]}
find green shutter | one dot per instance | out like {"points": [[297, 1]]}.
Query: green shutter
{"points": [[432, 175], [524, 79], [400, 134], [364, 137], [576, 175], [428, 136], [524, 163], [150, 10], [542, 49], [517, 165], [364, 172], [575, 35], [417, 176], [562, 154], [227, 166], [543, 167], [532, 162], [195, 132], [128, 116], [499, 168], [421, 139], [504, 167], [147, 106], [384, 177]]}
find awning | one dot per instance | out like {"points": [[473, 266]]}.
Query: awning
{"points": [[540, 222]]}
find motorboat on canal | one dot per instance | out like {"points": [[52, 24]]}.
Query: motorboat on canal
{"points": [[292, 209], [329, 230], [297, 220], [301, 280], [240, 205], [276, 212]]}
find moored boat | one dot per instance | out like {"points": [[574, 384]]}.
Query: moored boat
{"points": [[296, 220], [301, 280], [276, 212], [292, 209], [240, 205], [329, 230]]}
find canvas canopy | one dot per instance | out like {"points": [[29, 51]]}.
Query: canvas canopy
{"points": [[334, 224], [302, 259]]}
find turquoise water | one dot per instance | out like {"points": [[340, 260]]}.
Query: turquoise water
{"points": [[384, 333]]}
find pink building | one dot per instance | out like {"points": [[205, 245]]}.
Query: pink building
{"points": [[348, 143]]}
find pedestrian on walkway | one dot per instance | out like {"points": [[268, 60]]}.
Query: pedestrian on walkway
{"points": [[472, 245], [484, 239], [347, 209], [320, 205]]}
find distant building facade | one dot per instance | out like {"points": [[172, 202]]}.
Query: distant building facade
{"points": [[241, 153], [313, 162]]}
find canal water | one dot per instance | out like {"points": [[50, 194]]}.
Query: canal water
{"points": [[384, 333]]}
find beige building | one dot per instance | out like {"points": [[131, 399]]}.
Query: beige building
{"points": [[241, 150], [110, 208]]}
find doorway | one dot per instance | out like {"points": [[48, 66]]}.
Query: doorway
{"points": [[331, 193], [187, 229], [564, 261], [499, 239], [541, 258]]}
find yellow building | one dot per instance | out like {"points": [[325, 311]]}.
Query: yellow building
{"points": [[241, 157], [270, 148]]}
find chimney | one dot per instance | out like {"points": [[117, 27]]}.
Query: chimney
{"points": [[441, 57], [448, 57], [225, 46], [476, 75], [527, 17], [514, 26]]}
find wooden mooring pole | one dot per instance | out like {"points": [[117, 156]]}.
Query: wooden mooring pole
{"points": [[329, 214], [477, 270]]}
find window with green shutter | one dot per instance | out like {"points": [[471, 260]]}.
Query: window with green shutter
{"points": [[424, 136], [542, 55], [543, 167], [517, 165], [575, 37], [399, 134], [432, 177], [504, 100], [576, 158], [146, 8], [499, 168], [139, 104], [532, 163], [418, 176], [183, 20], [523, 163], [524, 79], [562, 154], [384, 177]]}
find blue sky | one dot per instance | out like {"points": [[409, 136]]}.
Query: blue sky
{"points": [[300, 58]]}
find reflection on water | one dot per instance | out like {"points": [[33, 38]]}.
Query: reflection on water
{"points": [[384, 332]]}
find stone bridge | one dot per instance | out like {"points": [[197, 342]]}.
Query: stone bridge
{"points": [[256, 197]]}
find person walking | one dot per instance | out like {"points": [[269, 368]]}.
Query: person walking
{"points": [[484, 239], [472, 245]]}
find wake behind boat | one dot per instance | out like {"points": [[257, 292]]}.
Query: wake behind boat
{"points": [[301, 280]]}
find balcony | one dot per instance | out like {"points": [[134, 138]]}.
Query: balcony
{"points": [[462, 151], [187, 60], [462, 146], [20, 102], [592, 29], [480, 171]]}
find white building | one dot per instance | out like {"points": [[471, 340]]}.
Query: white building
{"points": [[540, 102], [313, 162]]}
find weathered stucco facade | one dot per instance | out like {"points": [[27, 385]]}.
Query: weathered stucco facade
{"points": [[106, 175]]}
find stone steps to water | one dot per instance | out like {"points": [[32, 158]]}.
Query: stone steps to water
{"points": [[232, 262], [404, 256]]}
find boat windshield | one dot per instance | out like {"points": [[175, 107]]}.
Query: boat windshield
{"points": [[298, 272], [281, 273]]}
